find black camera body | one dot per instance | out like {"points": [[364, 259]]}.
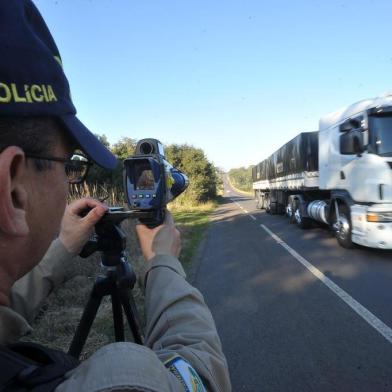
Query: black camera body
{"points": [[150, 182]]}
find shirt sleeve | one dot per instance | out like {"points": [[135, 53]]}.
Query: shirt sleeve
{"points": [[28, 293], [179, 323]]}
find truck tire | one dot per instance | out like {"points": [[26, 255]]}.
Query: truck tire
{"points": [[343, 228], [260, 202], [290, 212], [267, 204], [302, 222]]}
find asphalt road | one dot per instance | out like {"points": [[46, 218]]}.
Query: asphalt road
{"points": [[282, 328]]}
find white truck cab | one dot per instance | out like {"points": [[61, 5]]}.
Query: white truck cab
{"points": [[355, 156]]}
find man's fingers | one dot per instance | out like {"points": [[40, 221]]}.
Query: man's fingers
{"points": [[94, 211], [95, 215], [167, 222], [79, 206]]}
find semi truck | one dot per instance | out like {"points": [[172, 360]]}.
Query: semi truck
{"points": [[340, 175]]}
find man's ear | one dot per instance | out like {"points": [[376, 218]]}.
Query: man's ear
{"points": [[13, 192]]}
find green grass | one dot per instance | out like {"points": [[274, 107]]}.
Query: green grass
{"points": [[192, 223]]}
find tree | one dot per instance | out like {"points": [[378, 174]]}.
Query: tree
{"points": [[97, 174], [202, 174], [124, 148]]}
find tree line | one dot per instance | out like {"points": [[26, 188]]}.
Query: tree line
{"points": [[241, 178], [204, 179]]}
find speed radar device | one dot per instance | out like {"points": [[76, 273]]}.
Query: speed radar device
{"points": [[151, 182]]}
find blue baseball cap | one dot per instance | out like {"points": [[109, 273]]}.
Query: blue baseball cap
{"points": [[32, 80]]}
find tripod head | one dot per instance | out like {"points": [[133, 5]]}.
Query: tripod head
{"points": [[109, 238]]}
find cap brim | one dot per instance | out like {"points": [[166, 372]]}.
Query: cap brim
{"points": [[89, 143]]}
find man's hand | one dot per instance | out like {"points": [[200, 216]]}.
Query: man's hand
{"points": [[162, 240], [77, 229]]}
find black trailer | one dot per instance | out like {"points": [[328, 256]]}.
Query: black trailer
{"points": [[297, 156]]}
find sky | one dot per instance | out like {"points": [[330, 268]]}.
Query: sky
{"points": [[235, 78]]}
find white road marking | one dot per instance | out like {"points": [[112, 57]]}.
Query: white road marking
{"points": [[369, 317], [242, 208], [239, 205], [235, 202]]}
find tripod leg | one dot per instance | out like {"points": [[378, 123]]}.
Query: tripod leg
{"points": [[84, 326], [117, 316], [130, 311], [102, 287]]}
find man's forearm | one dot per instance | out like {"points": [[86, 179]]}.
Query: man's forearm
{"points": [[179, 322]]}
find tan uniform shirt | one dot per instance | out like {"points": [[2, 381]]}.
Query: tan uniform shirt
{"points": [[178, 324]]}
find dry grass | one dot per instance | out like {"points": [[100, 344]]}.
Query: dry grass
{"points": [[111, 196]]}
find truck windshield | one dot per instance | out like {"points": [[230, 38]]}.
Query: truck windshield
{"points": [[380, 132]]}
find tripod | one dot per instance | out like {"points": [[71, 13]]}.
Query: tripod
{"points": [[118, 282]]}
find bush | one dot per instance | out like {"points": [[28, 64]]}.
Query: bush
{"points": [[203, 176]]}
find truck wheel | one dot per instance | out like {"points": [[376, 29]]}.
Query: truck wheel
{"points": [[260, 202], [267, 204], [302, 222], [290, 212], [343, 227]]}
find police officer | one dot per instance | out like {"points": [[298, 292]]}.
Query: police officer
{"points": [[39, 133]]}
